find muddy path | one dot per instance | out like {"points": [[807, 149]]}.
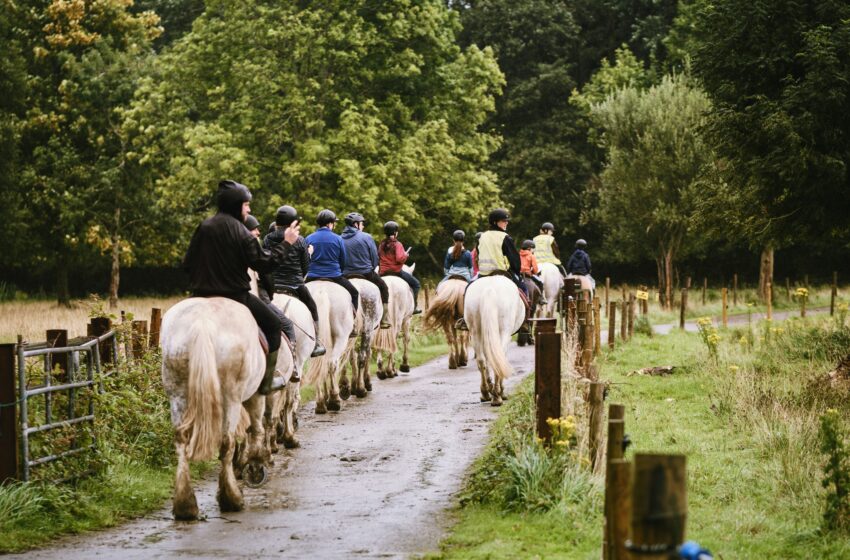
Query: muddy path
{"points": [[372, 481]]}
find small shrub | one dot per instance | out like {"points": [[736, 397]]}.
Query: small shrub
{"points": [[836, 478], [709, 336], [643, 326]]}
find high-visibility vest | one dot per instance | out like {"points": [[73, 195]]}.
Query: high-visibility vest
{"points": [[490, 256], [543, 249]]}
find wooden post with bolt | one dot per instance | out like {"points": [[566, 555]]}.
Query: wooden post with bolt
{"points": [[596, 412], [659, 505], [616, 524], [724, 300], [547, 376], [612, 323], [683, 306], [8, 414]]}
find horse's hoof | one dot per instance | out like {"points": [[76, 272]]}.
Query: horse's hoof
{"points": [[236, 503], [291, 443], [452, 362], [404, 368], [485, 398], [496, 402], [186, 510], [321, 408], [334, 405], [255, 475], [361, 393], [463, 362], [344, 393], [381, 375], [368, 384]]}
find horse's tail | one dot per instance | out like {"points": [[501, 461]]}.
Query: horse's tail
{"points": [[490, 338], [446, 306], [202, 419], [319, 365], [385, 339]]}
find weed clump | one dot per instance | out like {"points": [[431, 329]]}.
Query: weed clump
{"points": [[836, 480]]}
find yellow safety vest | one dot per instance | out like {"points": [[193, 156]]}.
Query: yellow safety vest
{"points": [[490, 256], [543, 249]]}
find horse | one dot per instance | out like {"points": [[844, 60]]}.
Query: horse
{"points": [[534, 295], [336, 321], [552, 284], [399, 314], [586, 290], [494, 310], [445, 309], [360, 349], [212, 363]]}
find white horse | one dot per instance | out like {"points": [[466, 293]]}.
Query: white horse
{"points": [[399, 314], [586, 292], [336, 321], [212, 363], [493, 311], [360, 349], [552, 284], [445, 309]]}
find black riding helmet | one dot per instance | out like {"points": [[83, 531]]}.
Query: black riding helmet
{"points": [[285, 215], [478, 235], [390, 228], [353, 217], [581, 244], [252, 223], [528, 244], [547, 226], [325, 217], [458, 235], [272, 227], [230, 197], [498, 215]]}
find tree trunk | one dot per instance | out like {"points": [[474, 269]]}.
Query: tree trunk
{"points": [[765, 271], [668, 273], [662, 292], [63, 294], [114, 275]]}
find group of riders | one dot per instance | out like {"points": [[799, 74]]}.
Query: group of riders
{"points": [[225, 246]]}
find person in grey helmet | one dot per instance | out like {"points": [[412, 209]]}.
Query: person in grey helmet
{"points": [[361, 259], [579, 263], [217, 261]]}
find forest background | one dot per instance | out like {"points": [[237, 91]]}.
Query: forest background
{"points": [[689, 137]]}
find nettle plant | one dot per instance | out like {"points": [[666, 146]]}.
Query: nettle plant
{"points": [[836, 478]]}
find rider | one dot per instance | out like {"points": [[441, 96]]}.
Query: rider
{"points": [[218, 258], [458, 261], [289, 276], [546, 248], [528, 264], [328, 257], [392, 257], [253, 225], [579, 263], [361, 258]]}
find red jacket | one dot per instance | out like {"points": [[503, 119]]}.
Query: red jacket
{"points": [[391, 256]]}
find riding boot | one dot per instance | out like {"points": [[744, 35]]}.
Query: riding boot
{"points": [[461, 325], [271, 382], [318, 349], [385, 323]]}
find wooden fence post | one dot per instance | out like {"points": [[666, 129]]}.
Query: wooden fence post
{"points": [[589, 338], [769, 290], [57, 338], [659, 505], [788, 288], [631, 316], [803, 300], [8, 413], [612, 323], [704, 289], [724, 299], [833, 294], [596, 412], [607, 289], [616, 523], [624, 319], [547, 376], [99, 326], [140, 338], [683, 306], [735, 290], [806, 281], [156, 323], [597, 326]]}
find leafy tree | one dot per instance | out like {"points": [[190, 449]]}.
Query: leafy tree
{"points": [[778, 75], [655, 170]]}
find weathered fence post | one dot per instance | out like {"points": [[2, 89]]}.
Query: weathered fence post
{"points": [[788, 288], [547, 376], [616, 525], [612, 323], [57, 338], [704, 289], [631, 316], [735, 290], [769, 289], [156, 323], [597, 327], [8, 411], [803, 300], [140, 337], [659, 506], [806, 281], [833, 294], [683, 308], [724, 298], [99, 326], [624, 319], [607, 289], [596, 412]]}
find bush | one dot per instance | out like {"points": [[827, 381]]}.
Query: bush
{"points": [[836, 478]]}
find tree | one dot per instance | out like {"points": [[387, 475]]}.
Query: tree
{"points": [[778, 75], [656, 166]]}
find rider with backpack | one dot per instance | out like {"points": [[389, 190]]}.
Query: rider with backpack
{"points": [[392, 257], [289, 275], [361, 258], [217, 260], [328, 257], [579, 263]]}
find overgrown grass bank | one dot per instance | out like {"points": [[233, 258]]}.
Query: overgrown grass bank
{"points": [[747, 421]]}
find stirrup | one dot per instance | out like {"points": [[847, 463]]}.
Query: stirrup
{"points": [[417, 311], [460, 324], [385, 324], [318, 350]]}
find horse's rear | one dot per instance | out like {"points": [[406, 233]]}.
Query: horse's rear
{"points": [[494, 311], [336, 320], [399, 314], [552, 284], [445, 309], [360, 348], [212, 362]]}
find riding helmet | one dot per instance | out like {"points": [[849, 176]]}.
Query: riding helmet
{"points": [[458, 235], [581, 244], [498, 215], [230, 197], [547, 226], [528, 244], [390, 228], [325, 217], [477, 235], [252, 223], [272, 226], [353, 217], [285, 215]]}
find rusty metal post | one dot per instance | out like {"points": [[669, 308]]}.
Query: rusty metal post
{"points": [[547, 376], [659, 505], [156, 324], [8, 413], [612, 323]]}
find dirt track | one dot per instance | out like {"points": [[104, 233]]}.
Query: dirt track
{"points": [[372, 481]]}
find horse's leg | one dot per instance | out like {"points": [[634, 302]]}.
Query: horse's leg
{"points": [[185, 506], [344, 385], [463, 339], [334, 402], [497, 392], [291, 398], [450, 338], [321, 403], [229, 494], [271, 416], [360, 390], [379, 364], [485, 381], [405, 337], [367, 358]]}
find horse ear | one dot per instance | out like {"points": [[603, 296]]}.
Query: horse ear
{"points": [[412, 268]]}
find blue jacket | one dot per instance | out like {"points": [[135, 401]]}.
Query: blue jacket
{"points": [[328, 257], [460, 267], [579, 263], [361, 254]]}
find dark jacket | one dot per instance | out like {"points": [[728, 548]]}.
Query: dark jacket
{"points": [[221, 252], [361, 254], [510, 251], [291, 272], [579, 263]]}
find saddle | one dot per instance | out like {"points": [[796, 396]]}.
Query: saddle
{"points": [[457, 277], [356, 277], [287, 291], [264, 342]]}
